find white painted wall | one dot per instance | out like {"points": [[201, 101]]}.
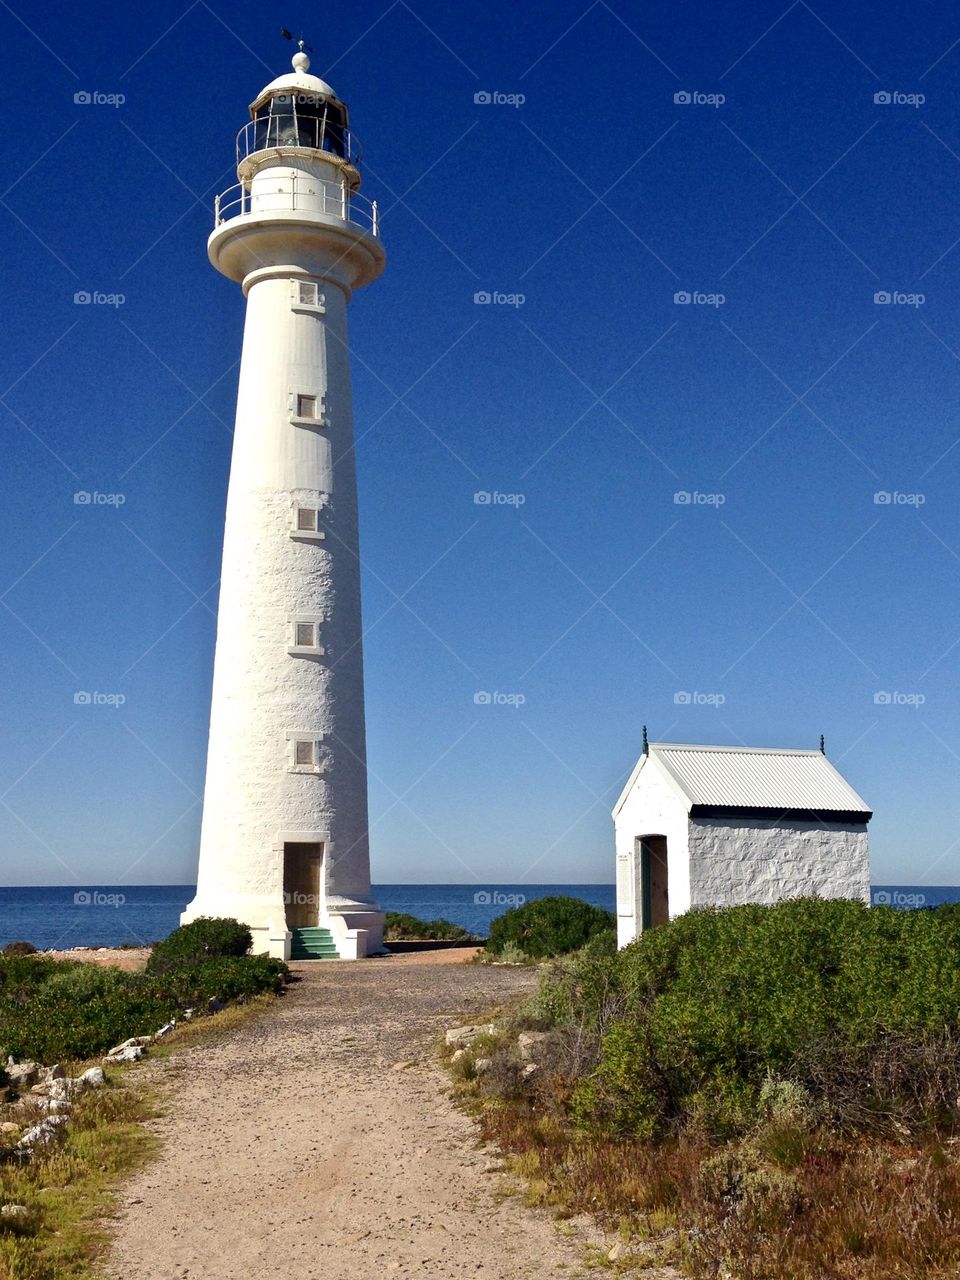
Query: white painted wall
{"points": [[736, 860], [263, 695], [653, 807]]}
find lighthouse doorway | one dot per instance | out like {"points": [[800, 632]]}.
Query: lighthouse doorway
{"points": [[654, 893], [302, 884]]}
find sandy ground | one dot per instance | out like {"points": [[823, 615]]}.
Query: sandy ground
{"points": [[133, 959], [318, 1140]]}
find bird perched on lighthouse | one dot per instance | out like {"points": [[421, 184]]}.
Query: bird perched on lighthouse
{"points": [[284, 841]]}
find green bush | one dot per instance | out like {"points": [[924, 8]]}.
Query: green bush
{"points": [[201, 940], [399, 925], [858, 1007], [19, 949], [56, 1011], [549, 927]]}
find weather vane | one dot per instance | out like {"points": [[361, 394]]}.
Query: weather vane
{"points": [[304, 48]]}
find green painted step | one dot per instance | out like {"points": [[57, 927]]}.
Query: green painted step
{"points": [[313, 944]]}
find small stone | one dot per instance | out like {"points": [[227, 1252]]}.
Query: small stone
{"points": [[529, 1041], [458, 1054], [530, 1069], [165, 1030], [14, 1211], [482, 1065], [8, 1127], [463, 1035], [133, 1054], [22, 1074], [94, 1078]]}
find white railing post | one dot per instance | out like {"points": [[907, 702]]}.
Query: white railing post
{"points": [[375, 218], [343, 201], [216, 212]]}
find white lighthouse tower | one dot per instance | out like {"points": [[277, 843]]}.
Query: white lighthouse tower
{"points": [[284, 845]]}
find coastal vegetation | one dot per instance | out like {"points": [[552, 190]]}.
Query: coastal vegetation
{"points": [[62, 1010], [546, 927], [401, 927], [771, 1093]]}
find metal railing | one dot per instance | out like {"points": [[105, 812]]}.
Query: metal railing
{"points": [[318, 133], [297, 193]]}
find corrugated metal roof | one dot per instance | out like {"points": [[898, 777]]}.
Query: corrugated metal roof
{"points": [[758, 777]]}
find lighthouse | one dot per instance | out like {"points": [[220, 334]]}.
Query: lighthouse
{"points": [[284, 840]]}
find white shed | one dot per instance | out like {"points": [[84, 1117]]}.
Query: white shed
{"points": [[716, 826]]}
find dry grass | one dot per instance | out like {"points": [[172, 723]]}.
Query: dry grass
{"points": [[787, 1203]]}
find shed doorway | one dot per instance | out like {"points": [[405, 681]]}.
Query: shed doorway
{"points": [[302, 884], [654, 888]]}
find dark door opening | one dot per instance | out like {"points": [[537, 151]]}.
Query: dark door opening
{"points": [[654, 895], [302, 864]]}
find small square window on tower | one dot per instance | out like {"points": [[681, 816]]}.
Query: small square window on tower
{"points": [[306, 296], [304, 636], [304, 752], [307, 407], [305, 524]]}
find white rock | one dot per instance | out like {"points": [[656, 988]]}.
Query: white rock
{"points": [[14, 1211], [135, 1042], [530, 1069], [133, 1054], [463, 1035], [23, 1074], [529, 1041], [94, 1078], [482, 1065], [457, 1055], [42, 1134], [165, 1030]]}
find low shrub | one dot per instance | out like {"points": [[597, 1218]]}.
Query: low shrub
{"points": [[204, 939], [548, 927], [400, 926], [858, 1008], [19, 949]]}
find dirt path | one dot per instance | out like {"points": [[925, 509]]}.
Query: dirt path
{"points": [[296, 1147]]}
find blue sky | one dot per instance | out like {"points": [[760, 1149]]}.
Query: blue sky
{"points": [[781, 601]]}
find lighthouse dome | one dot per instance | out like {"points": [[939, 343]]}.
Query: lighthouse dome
{"points": [[297, 81]]}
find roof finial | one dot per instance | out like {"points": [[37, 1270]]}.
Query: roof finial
{"points": [[823, 750], [301, 62], [646, 744]]}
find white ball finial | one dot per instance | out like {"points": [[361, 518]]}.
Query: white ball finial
{"points": [[301, 62]]}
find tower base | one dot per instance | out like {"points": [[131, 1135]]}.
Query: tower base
{"points": [[356, 928]]}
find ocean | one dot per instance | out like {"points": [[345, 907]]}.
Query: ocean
{"points": [[135, 915]]}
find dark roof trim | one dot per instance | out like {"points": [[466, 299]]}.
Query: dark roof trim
{"points": [[855, 816]]}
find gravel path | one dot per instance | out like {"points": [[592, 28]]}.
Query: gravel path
{"points": [[299, 1146]]}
